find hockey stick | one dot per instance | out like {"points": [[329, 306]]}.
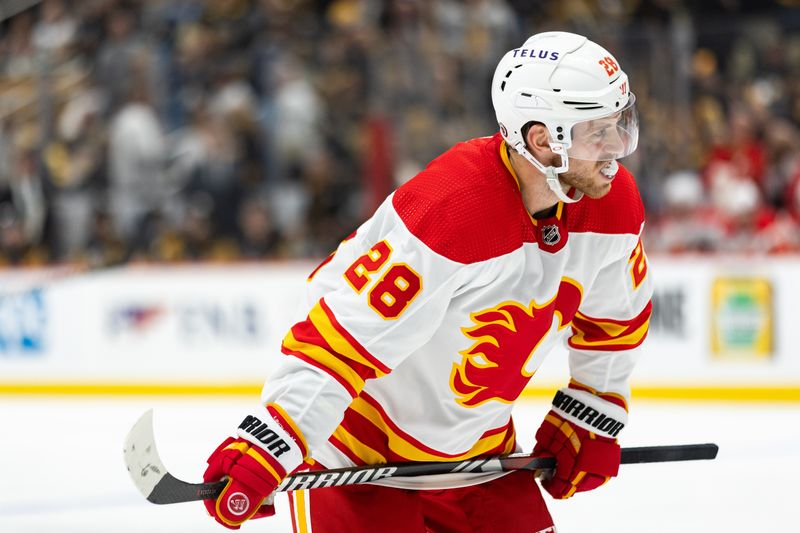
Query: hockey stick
{"points": [[157, 485]]}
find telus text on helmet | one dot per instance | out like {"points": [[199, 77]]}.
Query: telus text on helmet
{"points": [[530, 52]]}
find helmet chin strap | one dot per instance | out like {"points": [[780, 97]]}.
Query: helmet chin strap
{"points": [[555, 185], [551, 173]]}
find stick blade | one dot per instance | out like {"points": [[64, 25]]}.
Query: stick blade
{"points": [[150, 475], [141, 456]]}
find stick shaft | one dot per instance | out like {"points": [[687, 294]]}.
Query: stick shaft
{"points": [[669, 453], [173, 490]]}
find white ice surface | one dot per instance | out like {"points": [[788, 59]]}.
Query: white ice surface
{"points": [[61, 468]]}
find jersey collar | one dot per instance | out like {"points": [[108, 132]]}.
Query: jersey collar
{"points": [[507, 163]]}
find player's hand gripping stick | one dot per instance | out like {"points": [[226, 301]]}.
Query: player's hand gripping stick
{"points": [[268, 448], [580, 432]]}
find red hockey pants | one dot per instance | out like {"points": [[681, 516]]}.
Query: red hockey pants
{"points": [[510, 504]]}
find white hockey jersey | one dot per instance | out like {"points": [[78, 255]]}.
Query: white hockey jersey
{"points": [[426, 324]]}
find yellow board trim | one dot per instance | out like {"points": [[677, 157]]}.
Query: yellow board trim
{"points": [[726, 393], [43, 388]]}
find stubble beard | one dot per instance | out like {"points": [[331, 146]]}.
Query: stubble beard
{"points": [[588, 181]]}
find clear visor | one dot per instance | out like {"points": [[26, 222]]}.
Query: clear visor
{"points": [[606, 138]]}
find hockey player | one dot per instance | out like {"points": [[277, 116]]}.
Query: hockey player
{"points": [[425, 325]]}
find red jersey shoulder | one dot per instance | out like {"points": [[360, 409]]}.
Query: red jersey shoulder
{"points": [[465, 205], [619, 211]]}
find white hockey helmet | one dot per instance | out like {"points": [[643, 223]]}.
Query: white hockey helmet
{"points": [[577, 90]]}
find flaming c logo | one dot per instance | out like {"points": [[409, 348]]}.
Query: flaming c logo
{"points": [[505, 337]]}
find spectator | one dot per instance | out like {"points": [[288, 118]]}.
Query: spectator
{"points": [[741, 149], [136, 158], [133, 109], [18, 50], [746, 217], [122, 58], [687, 223], [104, 247], [55, 31], [258, 238], [15, 248]]}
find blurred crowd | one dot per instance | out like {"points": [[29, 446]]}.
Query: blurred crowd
{"points": [[229, 130]]}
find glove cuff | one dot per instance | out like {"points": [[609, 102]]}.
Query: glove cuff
{"points": [[590, 412], [276, 436]]}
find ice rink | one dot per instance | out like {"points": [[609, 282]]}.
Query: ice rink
{"points": [[62, 471]]}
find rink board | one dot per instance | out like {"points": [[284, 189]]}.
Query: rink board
{"points": [[721, 329]]}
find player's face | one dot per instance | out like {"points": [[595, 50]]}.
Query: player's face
{"points": [[606, 138], [595, 145], [598, 140], [587, 177]]}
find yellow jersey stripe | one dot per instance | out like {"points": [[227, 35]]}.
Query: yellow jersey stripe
{"points": [[401, 446], [286, 418], [631, 339], [326, 359], [336, 341], [368, 455]]}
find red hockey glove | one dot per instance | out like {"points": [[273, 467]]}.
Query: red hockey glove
{"points": [[580, 432], [268, 448]]}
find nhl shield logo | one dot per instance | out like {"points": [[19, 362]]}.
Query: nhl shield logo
{"points": [[550, 235], [238, 503]]}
